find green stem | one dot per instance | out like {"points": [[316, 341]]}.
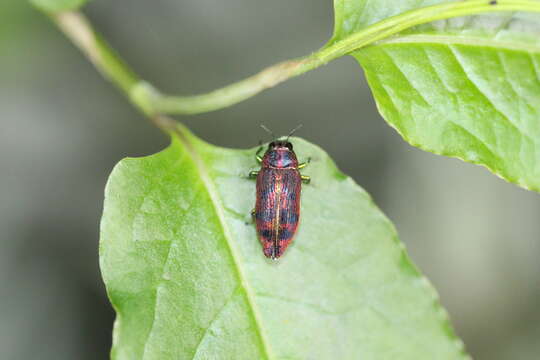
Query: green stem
{"points": [[77, 28], [153, 103]]}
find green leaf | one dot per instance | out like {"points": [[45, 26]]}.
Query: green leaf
{"points": [[53, 6], [463, 87], [187, 277]]}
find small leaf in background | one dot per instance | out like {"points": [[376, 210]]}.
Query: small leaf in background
{"points": [[463, 87], [53, 6], [185, 271]]}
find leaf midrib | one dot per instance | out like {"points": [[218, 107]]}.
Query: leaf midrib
{"points": [[459, 40], [220, 212]]}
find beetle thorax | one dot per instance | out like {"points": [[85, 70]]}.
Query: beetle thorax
{"points": [[280, 157]]}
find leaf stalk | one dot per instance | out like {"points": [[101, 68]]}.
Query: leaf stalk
{"points": [[154, 103]]}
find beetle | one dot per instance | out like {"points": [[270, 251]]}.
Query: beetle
{"points": [[277, 207]]}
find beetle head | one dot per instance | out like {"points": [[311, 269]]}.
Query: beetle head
{"points": [[280, 145], [277, 144]]}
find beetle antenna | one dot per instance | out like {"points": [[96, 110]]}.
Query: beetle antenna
{"points": [[269, 131], [294, 130]]}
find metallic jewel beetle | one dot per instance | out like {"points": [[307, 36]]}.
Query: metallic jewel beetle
{"points": [[277, 208]]}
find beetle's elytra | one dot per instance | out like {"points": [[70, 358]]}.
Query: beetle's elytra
{"points": [[277, 208]]}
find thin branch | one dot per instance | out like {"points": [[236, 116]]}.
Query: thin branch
{"points": [[79, 30], [153, 103]]}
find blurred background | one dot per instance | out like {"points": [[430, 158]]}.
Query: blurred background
{"points": [[62, 129]]}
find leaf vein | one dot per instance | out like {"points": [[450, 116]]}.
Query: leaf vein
{"points": [[219, 209], [485, 96], [459, 40], [216, 316], [406, 77], [177, 163]]}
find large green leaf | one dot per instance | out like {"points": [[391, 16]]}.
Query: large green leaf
{"points": [[187, 277], [463, 87]]}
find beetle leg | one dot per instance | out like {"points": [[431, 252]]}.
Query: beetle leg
{"points": [[304, 164], [253, 174], [305, 179], [253, 215]]}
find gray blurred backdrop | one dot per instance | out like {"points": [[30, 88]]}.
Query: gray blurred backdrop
{"points": [[62, 129]]}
